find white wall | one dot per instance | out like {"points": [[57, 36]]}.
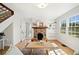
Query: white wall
{"points": [[65, 38], [19, 25], [9, 35]]}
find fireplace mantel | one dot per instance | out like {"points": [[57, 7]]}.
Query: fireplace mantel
{"points": [[39, 27]]}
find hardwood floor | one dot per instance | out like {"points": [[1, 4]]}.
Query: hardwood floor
{"points": [[4, 51], [68, 50], [21, 46]]}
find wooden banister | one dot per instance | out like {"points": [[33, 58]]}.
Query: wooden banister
{"points": [[5, 12]]}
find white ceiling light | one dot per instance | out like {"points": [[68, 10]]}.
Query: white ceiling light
{"points": [[42, 5]]}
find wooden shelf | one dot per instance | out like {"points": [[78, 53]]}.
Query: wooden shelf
{"points": [[39, 27]]}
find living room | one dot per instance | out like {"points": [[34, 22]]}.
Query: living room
{"points": [[40, 26]]}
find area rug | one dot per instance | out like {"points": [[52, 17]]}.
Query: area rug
{"points": [[28, 51]]}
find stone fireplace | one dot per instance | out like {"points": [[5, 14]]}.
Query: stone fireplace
{"points": [[39, 32]]}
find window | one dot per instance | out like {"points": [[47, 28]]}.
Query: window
{"points": [[63, 26], [73, 28]]}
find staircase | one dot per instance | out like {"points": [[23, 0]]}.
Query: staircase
{"points": [[5, 12]]}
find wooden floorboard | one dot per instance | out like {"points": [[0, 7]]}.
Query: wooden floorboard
{"points": [[3, 51], [68, 50]]}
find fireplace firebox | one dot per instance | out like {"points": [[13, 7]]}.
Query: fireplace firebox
{"points": [[39, 36]]}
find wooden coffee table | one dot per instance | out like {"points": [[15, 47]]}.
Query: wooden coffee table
{"points": [[39, 45]]}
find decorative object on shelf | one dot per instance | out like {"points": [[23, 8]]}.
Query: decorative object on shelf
{"points": [[5, 12], [40, 24], [34, 24]]}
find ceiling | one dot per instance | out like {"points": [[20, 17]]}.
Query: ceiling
{"points": [[52, 11]]}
